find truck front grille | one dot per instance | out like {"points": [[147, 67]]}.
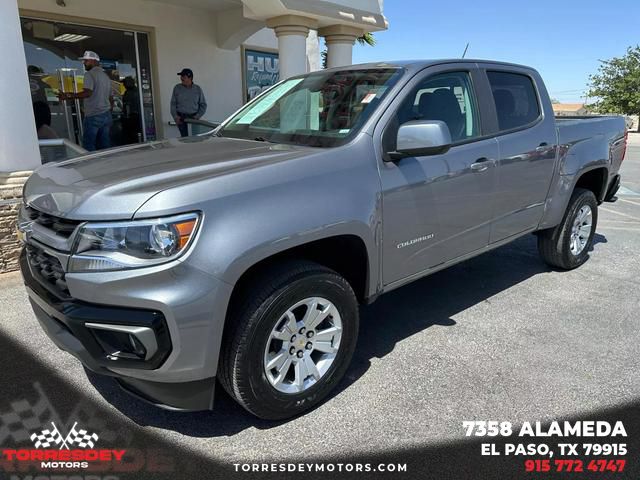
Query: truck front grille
{"points": [[48, 271], [60, 226]]}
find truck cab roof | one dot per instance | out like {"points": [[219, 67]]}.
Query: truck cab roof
{"points": [[417, 65]]}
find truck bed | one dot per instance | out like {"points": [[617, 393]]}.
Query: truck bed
{"points": [[587, 135], [567, 121]]}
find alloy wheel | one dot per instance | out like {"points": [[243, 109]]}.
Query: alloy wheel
{"points": [[581, 230], [303, 345]]}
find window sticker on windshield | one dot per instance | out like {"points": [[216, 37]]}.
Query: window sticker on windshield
{"points": [[368, 98], [343, 130], [266, 102]]}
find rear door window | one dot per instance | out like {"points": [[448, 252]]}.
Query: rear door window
{"points": [[515, 98]]}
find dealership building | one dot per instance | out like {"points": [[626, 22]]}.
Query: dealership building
{"points": [[236, 48]]}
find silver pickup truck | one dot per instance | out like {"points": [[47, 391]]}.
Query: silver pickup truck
{"points": [[242, 255]]}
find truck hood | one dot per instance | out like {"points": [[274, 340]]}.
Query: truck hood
{"points": [[114, 183]]}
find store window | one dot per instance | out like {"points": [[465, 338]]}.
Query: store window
{"points": [[52, 50]]}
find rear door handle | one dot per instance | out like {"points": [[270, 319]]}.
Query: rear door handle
{"points": [[480, 165]]}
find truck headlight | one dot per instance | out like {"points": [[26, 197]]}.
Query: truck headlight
{"points": [[139, 243]]}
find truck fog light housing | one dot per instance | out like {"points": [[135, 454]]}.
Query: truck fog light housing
{"points": [[113, 246], [123, 342]]}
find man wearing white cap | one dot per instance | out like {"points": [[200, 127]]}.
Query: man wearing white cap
{"points": [[97, 96]]}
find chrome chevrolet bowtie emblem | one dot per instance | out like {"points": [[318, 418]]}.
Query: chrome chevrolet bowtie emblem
{"points": [[24, 230]]}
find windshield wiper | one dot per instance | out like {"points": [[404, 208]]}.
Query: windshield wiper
{"points": [[262, 139]]}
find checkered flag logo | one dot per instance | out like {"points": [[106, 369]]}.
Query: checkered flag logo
{"points": [[47, 438], [81, 438]]}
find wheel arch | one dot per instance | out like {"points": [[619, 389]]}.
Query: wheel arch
{"points": [[594, 179], [347, 254], [358, 270]]}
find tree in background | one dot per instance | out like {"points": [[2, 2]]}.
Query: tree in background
{"points": [[554, 100], [617, 84], [366, 39]]}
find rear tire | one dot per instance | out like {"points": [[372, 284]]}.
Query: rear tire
{"points": [[260, 328], [567, 245]]}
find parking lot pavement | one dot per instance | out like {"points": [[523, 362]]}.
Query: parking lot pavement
{"points": [[631, 166], [500, 337]]}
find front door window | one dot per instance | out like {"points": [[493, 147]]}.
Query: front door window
{"points": [[447, 97]]}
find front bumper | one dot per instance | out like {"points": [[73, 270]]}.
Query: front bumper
{"points": [[175, 376], [68, 321]]}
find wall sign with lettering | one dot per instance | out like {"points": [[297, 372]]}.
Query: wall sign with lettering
{"points": [[260, 71]]}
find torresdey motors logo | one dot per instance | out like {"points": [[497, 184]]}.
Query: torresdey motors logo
{"points": [[75, 450], [34, 437]]}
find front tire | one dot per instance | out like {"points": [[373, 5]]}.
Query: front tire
{"points": [[567, 245], [291, 335]]}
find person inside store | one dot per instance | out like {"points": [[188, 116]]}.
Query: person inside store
{"points": [[37, 85], [187, 101], [42, 114], [131, 112], [98, 102]]}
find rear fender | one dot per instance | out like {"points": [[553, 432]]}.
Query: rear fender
{"points": [[574, 161]]}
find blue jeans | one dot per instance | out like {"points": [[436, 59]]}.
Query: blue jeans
{"points": [[184, 127], [97, 131]]}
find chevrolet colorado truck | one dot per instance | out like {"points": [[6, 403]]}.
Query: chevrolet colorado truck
{"points": [[242, 255]]}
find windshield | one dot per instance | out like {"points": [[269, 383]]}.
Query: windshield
{"points": [[323, 109]]}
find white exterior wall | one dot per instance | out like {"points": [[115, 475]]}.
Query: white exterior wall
{"points": [[16, 120], [184, 37]]}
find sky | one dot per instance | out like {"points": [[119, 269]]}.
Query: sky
{"points": [[562, 39]]}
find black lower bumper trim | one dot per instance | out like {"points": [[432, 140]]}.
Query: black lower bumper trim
{"points": [[187, 396]]}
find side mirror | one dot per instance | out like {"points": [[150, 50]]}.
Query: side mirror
{"points": [[421, 137]]}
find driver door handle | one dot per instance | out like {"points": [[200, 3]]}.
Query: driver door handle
{"points": [[480, 164]]}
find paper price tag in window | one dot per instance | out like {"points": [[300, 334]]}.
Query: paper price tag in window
{"points": [[368, 98]]}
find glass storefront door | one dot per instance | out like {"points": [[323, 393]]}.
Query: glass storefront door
{"points": [[52, 50], [71, 112]]}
